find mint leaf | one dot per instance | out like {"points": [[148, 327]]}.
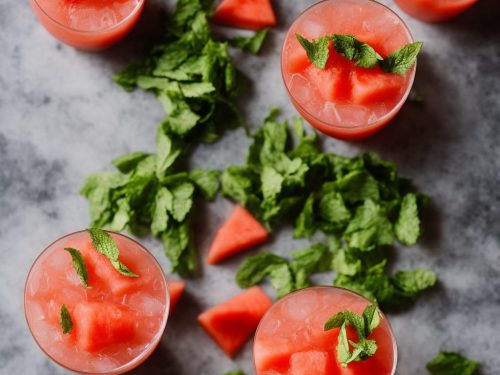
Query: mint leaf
{"points": [[79, 265], [166, 155], [335, 321], [179, 249], [315, 258], [407, 227], [402, 60], [182, 200], [343, 350], [305, 225], [371, 318], [370, 227], [105, 244], [317, 50], [358, 186], [251, 44], [163, 204], [415, 282], [352, 49], [451, 363], [206, 182], [282, 279], [237, 372], [127, 163], [364, 326], [65, 320], [255, 268]]}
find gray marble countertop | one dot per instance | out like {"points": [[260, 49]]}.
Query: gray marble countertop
{"points": [[62, 118]]}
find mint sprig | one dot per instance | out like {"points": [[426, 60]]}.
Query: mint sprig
{"points": [[65, 320], [251, 44], [363, 55], [451, 363], [352, 49], [79, 265], [364, 325], [106, 245], [317, 50], [402, 60]]}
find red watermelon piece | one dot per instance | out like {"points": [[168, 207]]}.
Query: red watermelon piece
{"points": [[373, 85], [176, 288], [313, 362], [274, 354], [296, 57], [101, 268], [240, 232], [245, 14], [100, 324], [232, 323]]}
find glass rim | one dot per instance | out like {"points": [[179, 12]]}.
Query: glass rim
{"points": [[137, 9], [154, 341], [371, 124], [332, 287]]}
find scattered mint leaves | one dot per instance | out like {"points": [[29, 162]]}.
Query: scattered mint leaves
{"points": [[360, 203], [363, 55], [451, 363], [402, 60], [79, 265], [65, 320], [317, 50], [352, 49], [285, 275], [251, 44], [237, 372], [364, 325], [195, 80], [105, 244]]}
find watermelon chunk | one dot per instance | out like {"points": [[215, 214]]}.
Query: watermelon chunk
{"points": [[296, 57], [245, 14], [100, 324], [241, 231], [101, 268], [273, 354], [373, 85], [232, 323], [332, 82], [176, 288], [312, 362]]}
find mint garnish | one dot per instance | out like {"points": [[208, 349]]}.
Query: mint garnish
{"points": [[317, 50], [402, 60], [65, 320], [364, 325], [451, 363], [79, 265], [105, 244]]}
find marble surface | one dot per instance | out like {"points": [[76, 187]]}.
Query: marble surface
{"points": [[61, 118]]}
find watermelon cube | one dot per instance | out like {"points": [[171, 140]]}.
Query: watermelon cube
{"points": [[101, 324], [374, 85]]}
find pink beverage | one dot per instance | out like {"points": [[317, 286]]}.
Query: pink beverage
{"points": [[434, 10], [88, 24], [117, 321], [342, 100], [291, 340]]}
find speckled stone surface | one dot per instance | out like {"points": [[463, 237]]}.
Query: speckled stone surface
{"points": [[61, 118]]}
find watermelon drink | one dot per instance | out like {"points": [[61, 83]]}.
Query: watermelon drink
{"points": [[88, 24], [344, 100], [434, 10], [117, 320], [291, 339]]}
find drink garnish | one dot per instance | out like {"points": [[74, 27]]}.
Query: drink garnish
{"points": [[451, 363], [65, 320], [364, 325], [79, 265], [363, 55], [105, 244]]}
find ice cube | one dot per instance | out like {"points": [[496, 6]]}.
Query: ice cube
{"points": [[146, 304], [35, 311], [301, 306]]}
